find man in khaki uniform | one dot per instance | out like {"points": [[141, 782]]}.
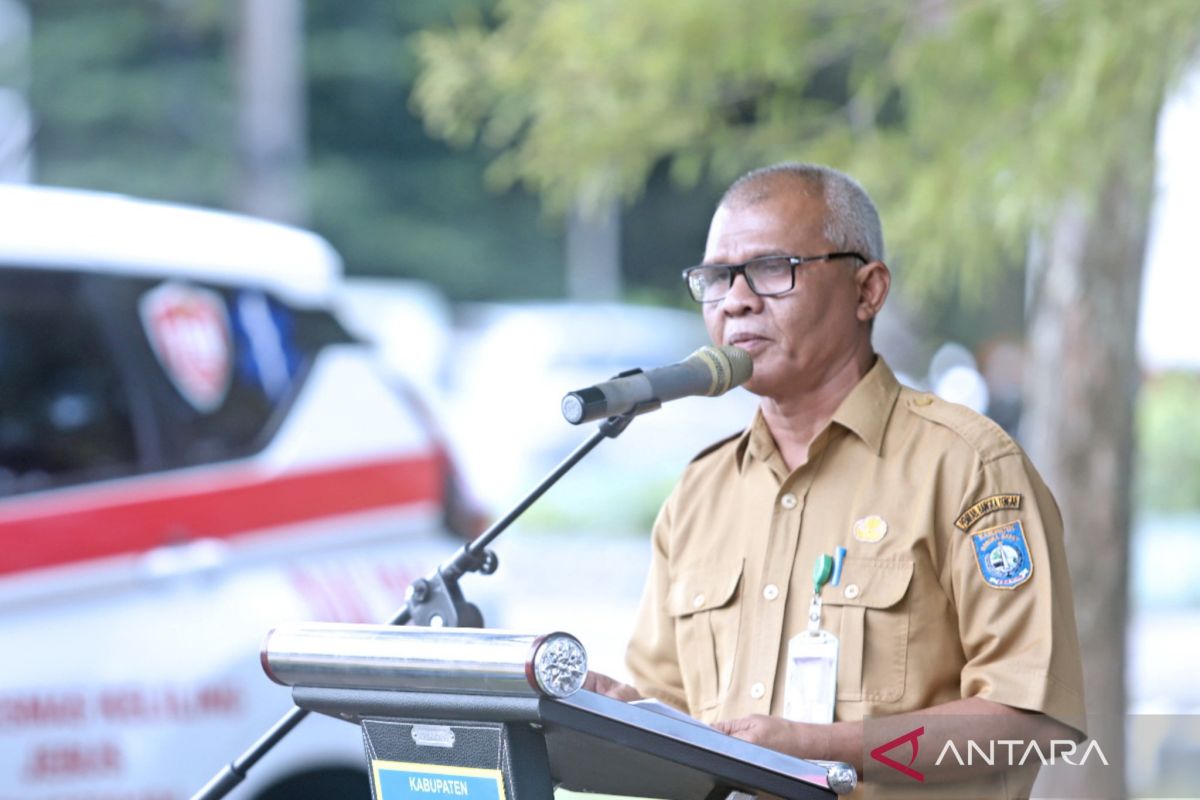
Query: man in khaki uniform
{"points": [[954, 600]]}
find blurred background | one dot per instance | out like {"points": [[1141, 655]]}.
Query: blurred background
{"points": [[505, 192]]}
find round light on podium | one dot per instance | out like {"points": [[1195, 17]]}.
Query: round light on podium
{"points": [[842, 777], [559, 664]]}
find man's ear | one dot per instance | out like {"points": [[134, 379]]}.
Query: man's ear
{"points": [[874, 280]]}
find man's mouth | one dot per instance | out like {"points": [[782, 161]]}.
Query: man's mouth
{"points": [[746, 341]]}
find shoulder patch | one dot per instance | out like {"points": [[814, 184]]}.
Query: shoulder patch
{"points": [[1003, 555], [984, 507], [715, 446], [987, 438]]}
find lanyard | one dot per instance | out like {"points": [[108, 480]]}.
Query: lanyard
{"points": [[822, 572]]}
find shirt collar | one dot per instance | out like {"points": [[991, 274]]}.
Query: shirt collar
{"points": [[755, 442], [868, 407], [865, 412]]}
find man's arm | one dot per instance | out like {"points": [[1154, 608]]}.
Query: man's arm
{"points": [[652, 658], [972, 719]]}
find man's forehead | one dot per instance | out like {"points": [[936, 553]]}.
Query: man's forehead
{"points": [[770, 187], [773, 221]]}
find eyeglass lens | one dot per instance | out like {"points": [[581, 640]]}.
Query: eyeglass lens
{"points": [[766, 276]]}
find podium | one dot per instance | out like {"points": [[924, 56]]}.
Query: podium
{"points": [[469, 713]]}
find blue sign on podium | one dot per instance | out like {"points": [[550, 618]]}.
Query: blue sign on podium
{"points": [[401, 780]]}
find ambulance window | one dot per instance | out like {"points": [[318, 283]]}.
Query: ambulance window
{"points": [[64, 417], [223, 364]]}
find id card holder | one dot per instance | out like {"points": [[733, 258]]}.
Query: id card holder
{"points": [[812, 665]]}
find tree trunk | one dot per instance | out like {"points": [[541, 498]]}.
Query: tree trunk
{"points": [[16, 121], [1080, 385], [271, 110], [594, 252]]}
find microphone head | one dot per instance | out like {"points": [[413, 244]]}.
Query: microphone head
{"points": [[728, 366]]}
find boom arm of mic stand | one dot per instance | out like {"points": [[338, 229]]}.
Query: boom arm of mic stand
{"points": [[436, 597]]}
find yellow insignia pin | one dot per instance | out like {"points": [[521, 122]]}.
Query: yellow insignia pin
{"points": [[870, 529], [986, 506]]}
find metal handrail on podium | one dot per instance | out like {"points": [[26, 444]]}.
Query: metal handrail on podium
{"points": [[495, 714]]}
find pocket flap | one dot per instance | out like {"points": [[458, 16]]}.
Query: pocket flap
{"points": [[701, 588], [870, 582]]}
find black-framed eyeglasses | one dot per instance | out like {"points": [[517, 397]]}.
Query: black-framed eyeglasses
{"points": [[767, 276]]}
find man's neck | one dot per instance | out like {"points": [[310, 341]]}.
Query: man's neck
{"points": [[796, 419]]}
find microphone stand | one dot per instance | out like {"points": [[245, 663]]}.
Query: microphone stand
{"points": [[435, 600]]}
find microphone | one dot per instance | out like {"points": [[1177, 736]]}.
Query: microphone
{"points": [[709, 371]]}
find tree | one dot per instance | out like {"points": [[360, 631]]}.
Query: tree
{"points": [[270, 102], [150, 98], [394, 201], [132, 97], [993, 134]]}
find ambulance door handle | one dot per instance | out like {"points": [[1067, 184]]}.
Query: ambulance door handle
{"points": [[189, 557]]}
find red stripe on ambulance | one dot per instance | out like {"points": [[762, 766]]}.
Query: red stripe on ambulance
{"points": [[44, 531]]}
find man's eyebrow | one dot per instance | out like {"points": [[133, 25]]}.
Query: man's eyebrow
{"points": [[767, 254]]}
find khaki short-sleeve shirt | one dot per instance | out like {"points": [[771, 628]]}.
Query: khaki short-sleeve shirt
{"points": [[955, 582]]}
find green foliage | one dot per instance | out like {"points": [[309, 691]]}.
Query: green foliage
{"points": [[968, 121], [589, 96], [1016, 107], [1168, 430], [139, 96], [133, 97], [967, 125], [392, 200]]}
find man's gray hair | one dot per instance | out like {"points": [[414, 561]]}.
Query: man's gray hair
{"points": [[852, 222]]}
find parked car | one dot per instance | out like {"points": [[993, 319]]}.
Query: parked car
{"points": [[192, 451], [513, 364]]}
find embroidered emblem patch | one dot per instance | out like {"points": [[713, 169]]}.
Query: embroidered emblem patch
{"points": [[188, 330], [1003, 555], [986, 506], [870, 529]]}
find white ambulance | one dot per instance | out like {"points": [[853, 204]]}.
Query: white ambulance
{"points": [[192, 451]]}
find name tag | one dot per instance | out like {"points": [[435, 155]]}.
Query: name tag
{"points": [[399, 780], [811, 690]]}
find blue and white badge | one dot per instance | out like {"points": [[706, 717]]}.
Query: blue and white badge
{"points": [[1003, 555]]}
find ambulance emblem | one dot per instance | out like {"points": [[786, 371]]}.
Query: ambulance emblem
{"points": [[188, 330]]}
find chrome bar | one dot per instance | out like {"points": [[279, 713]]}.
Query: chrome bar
{"points": [[417, 659]]}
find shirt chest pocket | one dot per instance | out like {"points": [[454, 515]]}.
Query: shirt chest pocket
{"points": [[871, 609], [704, 605]]}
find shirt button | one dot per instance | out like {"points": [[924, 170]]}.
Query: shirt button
{"points": [[788, 501], [698, 601], [757, 691], [851, 591], [922, 400], [770, 591]]}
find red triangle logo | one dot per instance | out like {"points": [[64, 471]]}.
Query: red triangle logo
{"points": [[910, 737]]}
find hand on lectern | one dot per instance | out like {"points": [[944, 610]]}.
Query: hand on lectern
{"points": [[838, 741], [770, 732], [610, 687]]}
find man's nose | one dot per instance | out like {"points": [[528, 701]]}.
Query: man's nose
{"points": [[741, 298]]}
